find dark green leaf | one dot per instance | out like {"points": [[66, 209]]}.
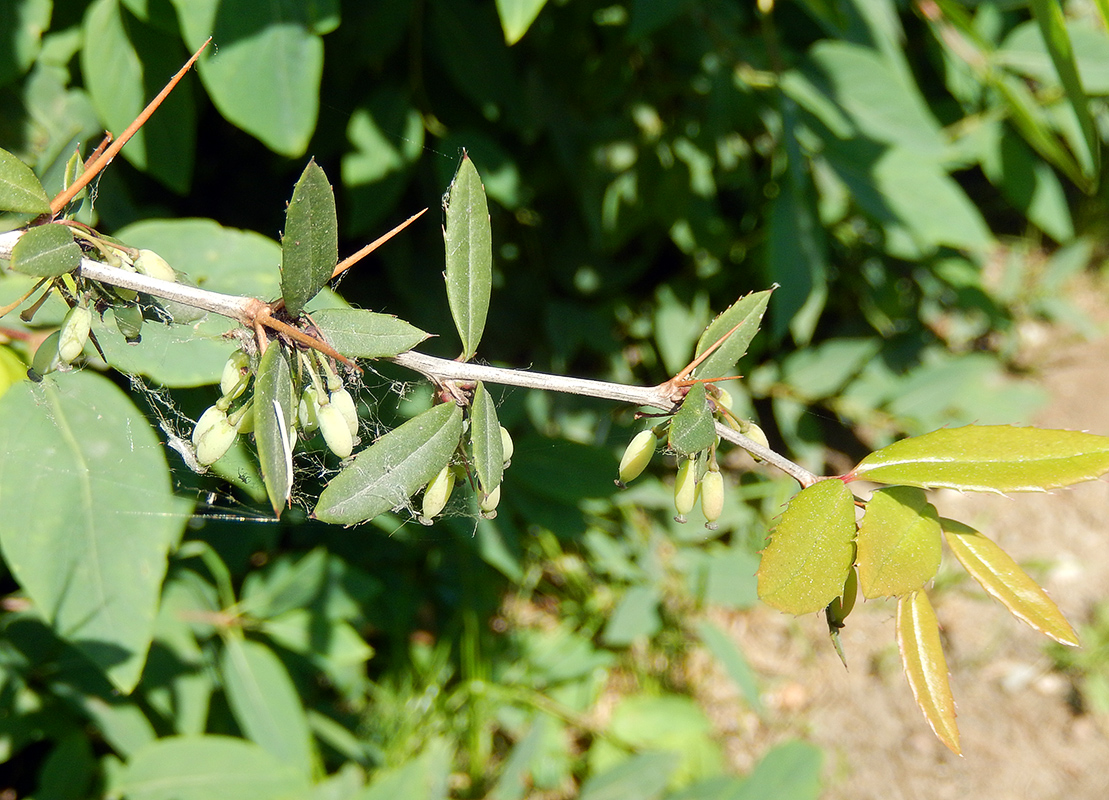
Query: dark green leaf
{"points": [[20, 190], [96, 515], [357, 333], [898, 542], [485, 439], [469, 243], [386, 474], [692, 429], [274, 410], [46, 251], [310, 245], [744, 315]]}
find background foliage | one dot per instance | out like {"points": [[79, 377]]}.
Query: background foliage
{"points": [[893, 166]]}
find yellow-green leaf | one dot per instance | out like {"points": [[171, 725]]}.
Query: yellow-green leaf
{"points": [[20, 190], [1000, 576], [898, 542], [811, 551], [918, 637], [989, 458]]}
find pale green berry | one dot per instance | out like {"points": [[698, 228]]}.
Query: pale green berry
{"points": [[232, 383], [150, 263], [216, 441], [506, 445], [209, 418], [437, 493], [712, 497], [308, 410], [756, 435], [685, 488], [243, 419], [74, 333], [489, 503], [46, 358], [341, 399], [637, 456], [335, 430], [724, 398], [129, 321]]}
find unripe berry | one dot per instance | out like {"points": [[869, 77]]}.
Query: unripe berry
{"points": [[637, 456], [712, 497], [231, 383], [506, 445], [74, 333], [341, 399], [243, 419], [46, 358], [209, 418], [308, 410], [489, 503], [216, 441], [724, 398], [335, 430], [685, 488], [436, 495], [150, 263]]}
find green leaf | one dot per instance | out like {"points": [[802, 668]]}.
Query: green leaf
{"points": [[485, 439], [46, 251], [26, 21], [1006, 582], [692, 429], [469, 243], [265, 702], [517, 16], [727, 652], [357, 333], [898, 542], [274, 409], [125, 63], [635, 616], [386, 474], [310, 245], [203, 767], [791, 770], [96, 515], [918, 637], [263, 75], [744, 315], [421, 778], [20, 190], [989, 458], [811, 550], [644, 776]]}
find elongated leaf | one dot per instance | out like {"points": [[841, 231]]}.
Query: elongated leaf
{"points": [[726, 651], [918, 637], [274, 407], [46, 251], [805, 565], [692, 429], [898, 542], [1000, 576], [517, 16], [310, 245], [357, 333], [203, 767], [265, 702], [485, 438], [469, 242], [89, 515], [746, 312], [989, 458], [386, 474], [20, 190]]}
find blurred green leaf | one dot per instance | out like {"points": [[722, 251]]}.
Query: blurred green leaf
{"points": [[46, 251], [26, 22], [898, 542], [469, 243], [422, 778], [790, 770], [274, 412], [20, 190], [517, 16], [636, 616], [727, 652], [643, 777], [918, 636], [310, 244]]}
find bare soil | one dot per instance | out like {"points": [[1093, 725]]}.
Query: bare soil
{"points": [[1022, 736]]}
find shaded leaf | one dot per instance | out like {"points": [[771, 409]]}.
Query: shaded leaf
{"points": [[310, 244], [898, 542], [386, 474], [692, 429], [96, 515], [357, 333], [811, 550], [1005, 581], [485, 438], [46, 251], [918, 637], [989, 458], [746, 313], [274, 407], [20, 190], [469, 244]]}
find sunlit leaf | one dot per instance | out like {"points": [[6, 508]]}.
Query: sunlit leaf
{"points": [[386, 474], [811, 550], [746, 313], [274, 409], [469, 244], [1004, 580], [310, 244], [918, 636], [485, 438], [46, 251], [692, 429], [989, 458], [357, 333], [898, 542], [517, 16], [20, 190]]}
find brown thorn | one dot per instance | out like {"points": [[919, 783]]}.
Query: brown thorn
{"points": [[692, 365], [95, 154], [305, 339], [105, 158], [350, 261]]}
